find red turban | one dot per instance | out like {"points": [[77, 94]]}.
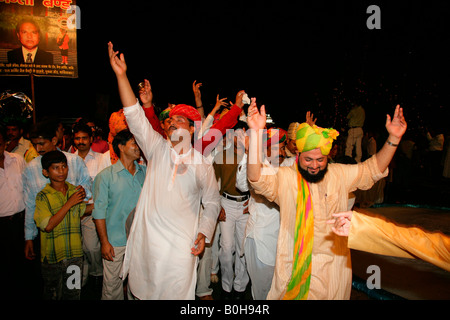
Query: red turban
{"points": [[187, 111], [275, 136]]}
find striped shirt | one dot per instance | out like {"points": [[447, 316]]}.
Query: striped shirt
{"points": [[64, 241]]}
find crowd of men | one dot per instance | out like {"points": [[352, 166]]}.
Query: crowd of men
{"points": [[174, 201]]}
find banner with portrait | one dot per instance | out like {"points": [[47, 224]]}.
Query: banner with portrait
{"points": [[38, 37]]}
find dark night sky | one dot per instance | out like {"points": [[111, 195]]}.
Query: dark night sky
{"points": [[292, 57]]}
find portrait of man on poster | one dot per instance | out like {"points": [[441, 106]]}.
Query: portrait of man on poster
{"points": [[28, 35]]}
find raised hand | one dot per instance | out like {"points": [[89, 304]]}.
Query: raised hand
{"points": [[197, 92], [397, 126], [256, 119], [118, 65], [220, 102], [310, 118], [146, 94], [239, 97]]}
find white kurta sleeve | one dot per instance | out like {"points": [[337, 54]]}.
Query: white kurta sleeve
{"points": [[211, 203], [147, 138]]}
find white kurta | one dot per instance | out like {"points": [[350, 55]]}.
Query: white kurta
{"points": [[264, 221], [158, 259]]}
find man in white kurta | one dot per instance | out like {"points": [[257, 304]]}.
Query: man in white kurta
{"points": [[158, 257], [261, 232], [167, 234]]}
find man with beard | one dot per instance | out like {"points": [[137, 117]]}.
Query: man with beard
{"points": [[312, 261]]}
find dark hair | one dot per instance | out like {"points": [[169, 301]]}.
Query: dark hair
{"points": [[241, 125], [52, 157], [83, 127], [43, 129], [27, 20], [121, 138]]}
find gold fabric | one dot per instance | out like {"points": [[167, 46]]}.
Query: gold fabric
{"points": [[376, 234]]}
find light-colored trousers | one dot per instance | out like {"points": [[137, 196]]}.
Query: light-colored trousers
{"points": [[112, 283], [260, 273], [204, 273], [92, 264], [215, 251], [232, 233], [208, 264], [354, 138]]}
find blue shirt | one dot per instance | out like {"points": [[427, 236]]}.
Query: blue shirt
{"points": [[34, 181], [116, 193]]}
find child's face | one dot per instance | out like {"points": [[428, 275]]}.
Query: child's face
{"points": [[57, 172]]}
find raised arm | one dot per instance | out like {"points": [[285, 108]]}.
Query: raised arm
{"points": [[143, 132], [198, 98], [396, 129], [119, 67], [256, 121], [146, 96], [218, 129]]}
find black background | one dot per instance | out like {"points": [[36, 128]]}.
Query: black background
{"points": [[291, 56]]}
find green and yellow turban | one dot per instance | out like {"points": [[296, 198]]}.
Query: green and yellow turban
{"points": [[164, 114], [310, 138]]}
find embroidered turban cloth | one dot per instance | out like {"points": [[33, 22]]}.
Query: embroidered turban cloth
{"points": [[310, 138], [292, 130], [164, 114]]}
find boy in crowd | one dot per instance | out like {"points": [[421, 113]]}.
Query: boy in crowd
{"points": [[59, 207]]}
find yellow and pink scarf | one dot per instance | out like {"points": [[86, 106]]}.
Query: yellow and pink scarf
{"points": [[298, 287]]}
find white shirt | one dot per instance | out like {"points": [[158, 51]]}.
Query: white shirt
{"points": [[264, 221], [93, 161], [158, 259], [11, 186], [22, 146]]}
